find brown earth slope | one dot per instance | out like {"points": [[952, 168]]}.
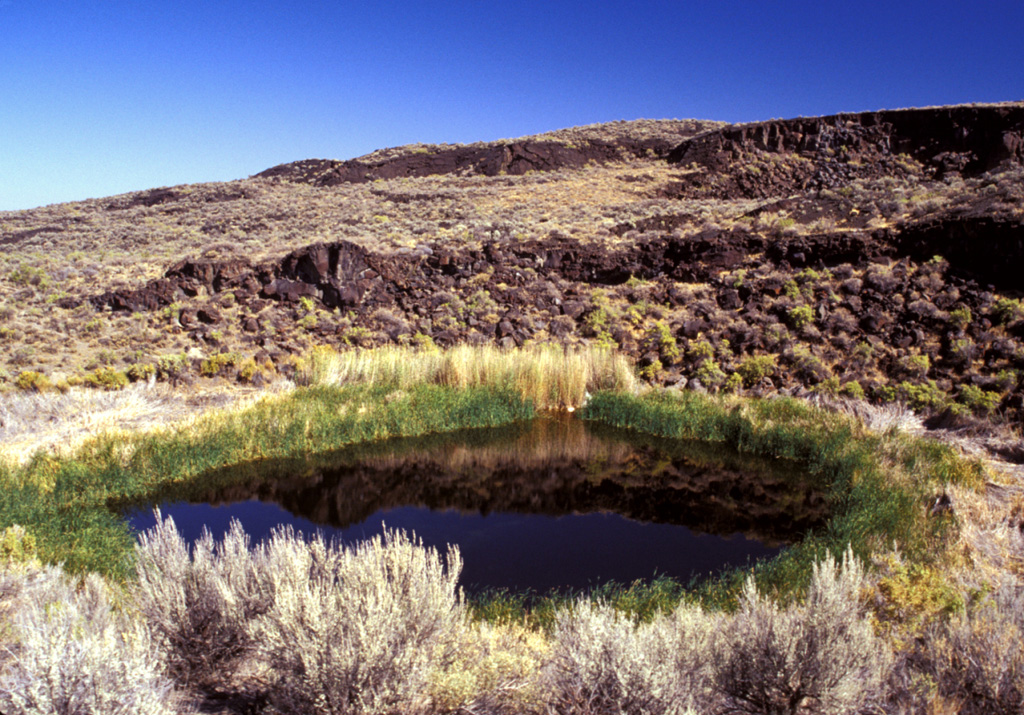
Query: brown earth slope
{"points": [[875, 253]]}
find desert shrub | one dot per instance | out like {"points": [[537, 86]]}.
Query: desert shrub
{"points": [[29, 275], [16, 546], [597, 326], [800, 316], [32, 380], [1007, 379], [216, 364], [248, 370], [755, 368], [141, 371], [652, 370], [1007, 310], [172, 366], [805, 365], [926, 395], [107, 378], [911, 598], [356, 629], [74, 655], [915, 366], [197, 603], [732, 383], [828, 386], [699, 350], [977, 660], [693, 636], [496, 670], [853, 390], [978, 400], [808, 275], [863, 352], [710, 374], [818, 656], [659, 338], [960, 317], [424, 342], [603, 662], [961, 352]]}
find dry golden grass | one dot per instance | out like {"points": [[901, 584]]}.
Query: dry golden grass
{"points": [[991, 542], [59, 423], [554, 378]]}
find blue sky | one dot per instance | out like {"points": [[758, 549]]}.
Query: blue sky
{"points": [[98, 98]]}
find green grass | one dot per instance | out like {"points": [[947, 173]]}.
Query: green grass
{"points": [[62, 502], [643, 599], [878, 486]]}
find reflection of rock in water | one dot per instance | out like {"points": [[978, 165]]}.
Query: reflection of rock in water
{"points": [[550, 467]]}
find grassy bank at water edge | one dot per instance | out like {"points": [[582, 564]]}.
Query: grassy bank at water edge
{"points": [[879, 485]]}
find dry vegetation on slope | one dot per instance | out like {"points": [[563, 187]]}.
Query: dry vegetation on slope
{"points": [[869, 255]]}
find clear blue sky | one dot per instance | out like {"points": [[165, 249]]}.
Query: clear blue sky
{"points": [[104, 97]]}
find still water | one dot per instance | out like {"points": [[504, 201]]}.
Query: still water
{"points": [[550, 504]]}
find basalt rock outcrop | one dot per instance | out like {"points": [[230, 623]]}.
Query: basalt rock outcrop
{"points": [[979, 248], [825, 152]]}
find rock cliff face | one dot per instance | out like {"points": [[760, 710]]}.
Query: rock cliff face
{"points": [[980, 249], [825, 152]]}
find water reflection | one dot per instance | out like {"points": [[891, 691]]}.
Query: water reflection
{"points": [[552, 503]]}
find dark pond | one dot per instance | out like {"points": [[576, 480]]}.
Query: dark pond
{"points": [[552, 504]]}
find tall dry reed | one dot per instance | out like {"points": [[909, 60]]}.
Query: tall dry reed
{"points": [[552, 377]]}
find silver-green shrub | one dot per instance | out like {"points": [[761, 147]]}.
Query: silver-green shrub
{"points": [[694, 636], [602, 662], [497, 670], [818, 656], [70, 654], [977, 659], [198, 603], [356, 629]]}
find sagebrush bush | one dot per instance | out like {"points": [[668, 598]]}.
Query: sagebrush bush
{"points": [[603, 662], [977, 659], [496, 670], [694, 636], [818, 656], [356, 629], [72, 655], [198, 603]]}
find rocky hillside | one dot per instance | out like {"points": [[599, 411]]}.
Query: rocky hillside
{"points": [[872, 254], [565, 149]]}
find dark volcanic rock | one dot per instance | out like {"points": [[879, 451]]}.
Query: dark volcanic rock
{"points": [[831, 150], [986, 248]]}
